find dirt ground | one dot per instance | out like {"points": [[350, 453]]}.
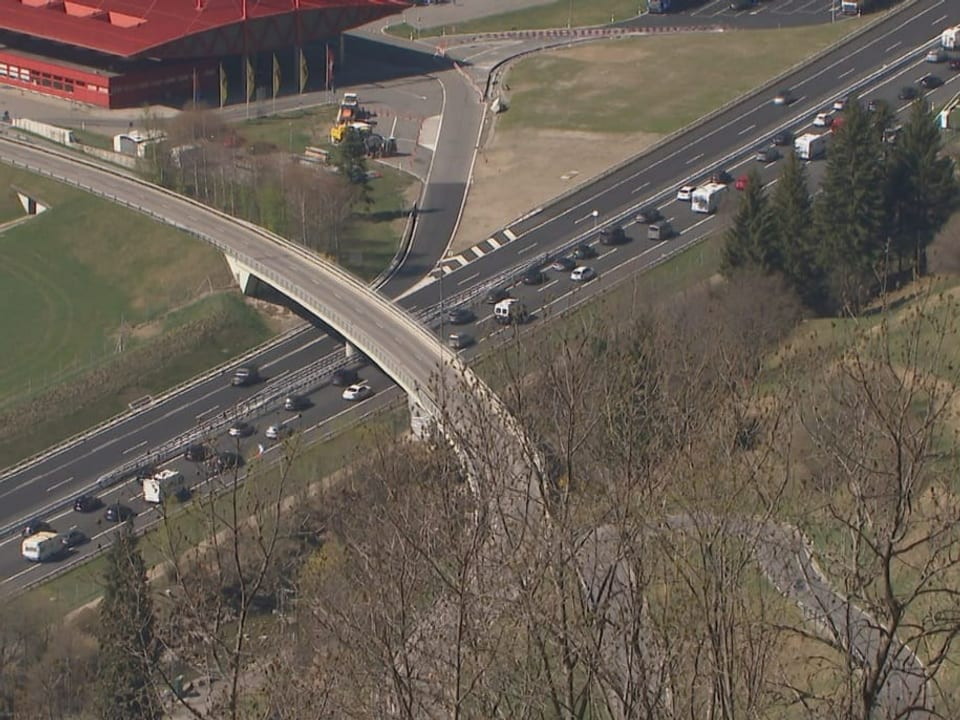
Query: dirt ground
{"points": [[519, 171]]}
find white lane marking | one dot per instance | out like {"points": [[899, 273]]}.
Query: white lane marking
{"points": [[133, 448], [897, 44], [939, 19], [62, 482], [470, 278], [393, 128], [493, 243], [509, 235], [585, 217], [640, 187], [478, 252], [747, 129], [528, 248], [552, 282], [845, 73], [692, 160], [207, 412]]}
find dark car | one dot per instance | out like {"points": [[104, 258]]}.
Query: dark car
{"points": [[295, 402], [533, 276], [583, 252], [908, 92], [73, 537], [343, 377], [245, 375], [32, 527], [118, 513], [613, 236], [767, 154], [87, 503], [930, 82], [195, 452], [783, 138], [495, 295], [878, 105], [460, 315], [649, 215], [563, 264], [784, 97], [227, 460], [954, 65], [459, 340], [721, 176]]}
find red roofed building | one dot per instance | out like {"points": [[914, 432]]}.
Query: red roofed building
{"points": [[124, 53]]}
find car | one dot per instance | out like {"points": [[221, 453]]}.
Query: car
{"points": [[460, 315], [459, 340], [840, 104], [954, 64], [582, 274], [240, 429], [937, 55], [195, 452], [685, 193], [783, 138], [495, 295], [649, 215], [563, 264], [930, 82], [226, 460], [891, 134], [878, 105], [35, 525], [824, 119], [533, 276], [583, 251], [837, 123], [767, 154], [721, 176], [87, 503], [73, 537], [908, 92], [293, 403], [343, 377], [784, 96], [613, 236], [117, 513], [278, 431], [742, 182], [245, 375], [357, 392], [661, 230]]}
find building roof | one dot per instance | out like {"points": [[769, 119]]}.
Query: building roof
{"points": [[128, 28]]}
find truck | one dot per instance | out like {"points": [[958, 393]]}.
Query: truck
{"points": [[706, 198], [950, 38], [42, 546], [855, 7], [809, 146], [509, 311], [166, 483]]}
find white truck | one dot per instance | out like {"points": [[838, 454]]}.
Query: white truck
{"points": [[509, 311], [42, 546], [809, 146], [950, 39], [162, 485], [706, 198]]}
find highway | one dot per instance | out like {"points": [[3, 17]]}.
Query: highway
{"points": [[651, 178]]}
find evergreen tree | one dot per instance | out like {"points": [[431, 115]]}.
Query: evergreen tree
{"points": [[850, 214], [922, 187], [128, 648], [750, 239], [796, 247], [350, 158]]}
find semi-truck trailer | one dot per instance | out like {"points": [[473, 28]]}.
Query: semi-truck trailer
{"points": [[42, 546]]}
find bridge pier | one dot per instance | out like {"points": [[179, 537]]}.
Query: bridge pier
{"points": [[421, 421], [245, 279]]}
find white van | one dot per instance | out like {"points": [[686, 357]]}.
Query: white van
{"points": [[509, 311]]}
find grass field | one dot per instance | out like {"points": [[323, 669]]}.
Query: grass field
{"points": [[598, 88], [562, 13], [291, 132]]}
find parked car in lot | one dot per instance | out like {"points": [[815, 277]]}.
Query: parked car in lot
{"points": [[784, 96], [649, 215], [563, 264], [459, 340], [582, 274], [685, 193], [767, 154], [783, 138], [293, 403], [87, 503], [495, 295], [460, 315], [240, 429], [343, 377], [533, 276], [357, 392], [908, 92], [118, 513], [930, 82], [824, 119], [613, 236], [583, 251]]}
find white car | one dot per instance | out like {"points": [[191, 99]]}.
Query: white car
{"points": [[685, 193], [278, 432], [824, 119], [840, 104], [582, 274], [357, 392], [937, 55]]}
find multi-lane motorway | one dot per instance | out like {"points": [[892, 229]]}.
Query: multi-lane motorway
{"points": [[728, 139]]}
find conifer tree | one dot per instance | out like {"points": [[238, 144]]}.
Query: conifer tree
{"points": [[750, 239], [128, 647]]}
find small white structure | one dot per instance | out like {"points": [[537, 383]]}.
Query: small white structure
{"points": [[135, 142]]}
